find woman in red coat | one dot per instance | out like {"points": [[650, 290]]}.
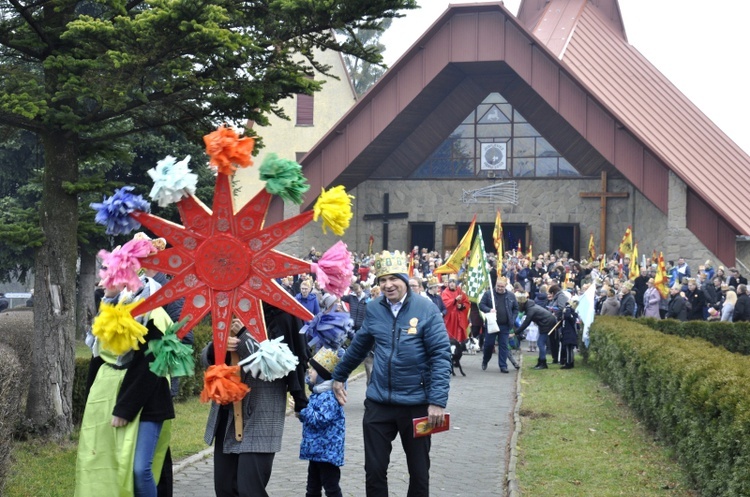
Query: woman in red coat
{"points": [[457, 303]]}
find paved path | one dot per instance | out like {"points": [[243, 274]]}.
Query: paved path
{"points": [[468, 460]]}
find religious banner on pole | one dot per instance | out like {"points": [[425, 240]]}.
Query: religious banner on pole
{"points": [[497, 235], [479, 279], [634, 269], [456, 259], [661, 280], [626, 245], [592, 248]]}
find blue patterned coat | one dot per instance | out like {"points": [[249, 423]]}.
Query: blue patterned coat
{"points": [[323, 428]]}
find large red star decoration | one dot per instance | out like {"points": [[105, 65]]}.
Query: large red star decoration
{"points": [[224, 262]]}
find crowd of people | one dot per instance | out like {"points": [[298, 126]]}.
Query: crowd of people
{"points": [[531, 298]]}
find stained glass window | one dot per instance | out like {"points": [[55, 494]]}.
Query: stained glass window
{"points": [[527, 153]]}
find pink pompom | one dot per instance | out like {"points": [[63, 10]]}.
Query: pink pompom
{"points": [[334, 270], [121, 266]]}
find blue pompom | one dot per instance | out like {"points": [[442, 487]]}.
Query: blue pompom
{"points": [[114, 212]]}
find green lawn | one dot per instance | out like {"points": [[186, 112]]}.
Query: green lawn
{"points": [[579, 440], [48, 469]]}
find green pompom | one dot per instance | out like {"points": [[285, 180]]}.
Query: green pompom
{"points": [[171, 357], [284, 178]]}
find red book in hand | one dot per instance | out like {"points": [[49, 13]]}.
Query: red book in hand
{"points": [[422, 427]]}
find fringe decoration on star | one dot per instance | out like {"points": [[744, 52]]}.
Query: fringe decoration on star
{"points": [[114, 212], [121, 266], [227, 150], [272, 360], [284, 178], [116, 329], [223, 385], [328, 330], [335, 207], [334, 270], [172, 181], [171, 356]]}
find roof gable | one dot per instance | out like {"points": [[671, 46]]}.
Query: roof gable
{"points": [[474, 49]]}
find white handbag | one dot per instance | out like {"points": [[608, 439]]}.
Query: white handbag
{"points": [[492, 326]]}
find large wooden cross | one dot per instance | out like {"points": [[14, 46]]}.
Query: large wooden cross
{"points": [[386, 216], [603, 195]]}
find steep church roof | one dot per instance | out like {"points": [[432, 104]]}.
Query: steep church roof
{"points": [[591, 94]]}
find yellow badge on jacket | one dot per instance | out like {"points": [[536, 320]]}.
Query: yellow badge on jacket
{"points": [[413, 323]]}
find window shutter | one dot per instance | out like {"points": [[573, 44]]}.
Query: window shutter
{"points": [[305, 110]]}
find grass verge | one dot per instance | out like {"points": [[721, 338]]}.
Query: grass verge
{"points": [[578, 439], [46, 469]]}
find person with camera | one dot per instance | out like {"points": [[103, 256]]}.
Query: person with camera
{"points": [[543, 318]]}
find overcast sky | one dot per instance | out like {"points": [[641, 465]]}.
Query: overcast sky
{"points": [[701, 46]]}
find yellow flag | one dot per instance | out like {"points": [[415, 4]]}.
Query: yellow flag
{"points": [[592, 248], [454, 262], [530, 254], [497, 236], [603, 262], [626, 245], [661, 280], [635, 268]]}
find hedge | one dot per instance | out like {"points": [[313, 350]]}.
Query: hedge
{"points": [[691, 393], [735, 337]]}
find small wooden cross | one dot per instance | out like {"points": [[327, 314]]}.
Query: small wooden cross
{"points": [[603, 195], [386, 216]]}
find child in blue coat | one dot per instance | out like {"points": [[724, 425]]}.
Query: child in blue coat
{"points": [[323, 428]]}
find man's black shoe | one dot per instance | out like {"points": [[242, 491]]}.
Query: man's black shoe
{"points": [[484, 366], [503, 370]]}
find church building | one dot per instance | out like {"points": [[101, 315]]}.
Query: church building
{"points": [[550, 117]]}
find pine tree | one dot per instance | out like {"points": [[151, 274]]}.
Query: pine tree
{"points": [[87, 75]]}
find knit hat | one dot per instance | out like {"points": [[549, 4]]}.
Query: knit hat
{"points": [[387, 263], [327, 302], [324, 362]]}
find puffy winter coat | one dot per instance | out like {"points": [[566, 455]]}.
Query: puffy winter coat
{"points": [[323, 429], [412, 355]]}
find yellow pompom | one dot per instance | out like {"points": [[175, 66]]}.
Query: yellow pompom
{"points": [[116, 329], [335, 206]]}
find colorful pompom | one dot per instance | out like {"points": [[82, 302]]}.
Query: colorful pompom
{"points": [[334, 270], [272, 360], [223, 385], [171, 357], [328, 330], [284, 178], [172, 181], [335, 207], [116, 329], [121, 266], [114, 212], [227, 150]]}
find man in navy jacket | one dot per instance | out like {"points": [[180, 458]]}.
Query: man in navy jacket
{"points": [[410, 378]]}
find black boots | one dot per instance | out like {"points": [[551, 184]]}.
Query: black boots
{"points": [[567, 366], [541, 364]]}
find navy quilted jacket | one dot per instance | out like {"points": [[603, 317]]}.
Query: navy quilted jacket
{"points": [[412, 355], [323, 428]]}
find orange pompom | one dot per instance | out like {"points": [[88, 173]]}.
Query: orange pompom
{"points": [[227, 150], [222, 384]]}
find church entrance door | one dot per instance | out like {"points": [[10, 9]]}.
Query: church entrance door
{"points": [[422, 235], [565, 237]]}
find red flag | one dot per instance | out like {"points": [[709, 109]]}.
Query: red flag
{"points": [[369, 247]]}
